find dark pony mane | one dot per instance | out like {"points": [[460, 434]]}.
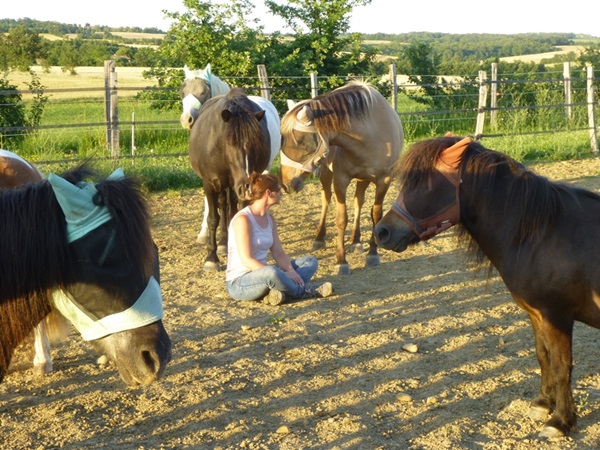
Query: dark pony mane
{"points": [[534, 201], [335, 110], [243, 130], [33, 224]]}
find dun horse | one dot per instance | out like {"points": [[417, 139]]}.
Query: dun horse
{"points": [[197, 88], [350, 133], [229, 141], [85, 249], [541, 236]]}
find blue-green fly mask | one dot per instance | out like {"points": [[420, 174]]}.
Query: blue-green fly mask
{"points": [[83, 214]]}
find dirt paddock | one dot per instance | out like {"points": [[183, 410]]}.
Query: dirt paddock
{"points": [[331, 373]]}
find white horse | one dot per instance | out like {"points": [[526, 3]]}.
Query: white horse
{"points": [[197, 88]]}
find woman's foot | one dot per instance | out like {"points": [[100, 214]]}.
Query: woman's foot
{"points": [[275, 297], [318, 290]]}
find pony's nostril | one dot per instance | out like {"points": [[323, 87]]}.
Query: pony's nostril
{"points": [[382, 234], [151, 360]]}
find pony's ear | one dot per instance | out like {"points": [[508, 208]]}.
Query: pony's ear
{"points": [[452, 155], [188, 73], [291, 104], [305, 115], [259, 115], [207, 69], [226, 115]]}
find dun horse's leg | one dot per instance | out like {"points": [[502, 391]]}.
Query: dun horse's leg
{"points": [[326, 179], [203, 235], [341, 220], [381, 189], [359, 201]]}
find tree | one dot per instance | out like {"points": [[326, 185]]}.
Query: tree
{"points": [[322, 43], [20, 49], [14, 113]]}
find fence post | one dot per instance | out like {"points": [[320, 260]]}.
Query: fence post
{"points": [[494, 97], [108, 67], [265, 91], [314, 85], [592, 109], [394, 87], [568, 89], [482, 103], [111, 108], [133, 148]]}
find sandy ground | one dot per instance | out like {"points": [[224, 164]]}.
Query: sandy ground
{"points": [[319, 374]]}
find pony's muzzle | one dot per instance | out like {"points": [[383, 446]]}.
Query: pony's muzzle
{"points": [[186, 120]]}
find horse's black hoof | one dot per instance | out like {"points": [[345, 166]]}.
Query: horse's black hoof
{"points": [[373, 260], [342, 269], [318, 245]]}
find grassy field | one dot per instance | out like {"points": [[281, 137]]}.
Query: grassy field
{"points": [[539, 57], [84, 78]]}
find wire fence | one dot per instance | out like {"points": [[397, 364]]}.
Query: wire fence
{"points": [[483, 105]]}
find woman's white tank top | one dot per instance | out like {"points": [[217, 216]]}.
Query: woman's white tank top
{"points": [[261, 240]]}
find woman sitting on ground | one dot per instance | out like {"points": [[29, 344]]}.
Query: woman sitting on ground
{"points": [[252, 234]]}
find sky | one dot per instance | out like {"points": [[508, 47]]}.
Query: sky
{"points": [[386, 16]]}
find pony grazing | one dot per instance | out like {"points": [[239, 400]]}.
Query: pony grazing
{"points": [[16, 172], [350, 133], [84, 249], [541, 236], [197, 88], [229, 141]]}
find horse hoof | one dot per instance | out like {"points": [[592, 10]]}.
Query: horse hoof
{"points": [[550, 432], [538, 412], [357, 248], [202, 240], [373, 260], [318, 245], [342, 269], [42, 369], [211, 266], [221, 250]]}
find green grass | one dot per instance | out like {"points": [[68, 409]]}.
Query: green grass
{"points": [[160, 159]]}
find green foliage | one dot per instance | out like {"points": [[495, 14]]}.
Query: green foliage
{"points": [[12, 113]]}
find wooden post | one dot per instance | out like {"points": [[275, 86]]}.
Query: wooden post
{"points": [[265, 91], [568, 90], [114, 116], [394, 87], [314, 85], [494, 97], [133, 149], [482, 104], [592, 109], [109, 66]]}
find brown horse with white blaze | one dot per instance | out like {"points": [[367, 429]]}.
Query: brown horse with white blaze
{"points": [[351, 133]]}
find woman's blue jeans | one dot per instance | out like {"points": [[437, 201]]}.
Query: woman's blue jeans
{"points": [[256, 284]]}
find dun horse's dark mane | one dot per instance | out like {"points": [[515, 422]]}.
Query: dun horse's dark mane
{"points": [[335, 110], [534, 201], [32, 223], [244, 130]]}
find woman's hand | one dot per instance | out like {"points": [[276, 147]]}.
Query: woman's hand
{"points": [[293, 275]]}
